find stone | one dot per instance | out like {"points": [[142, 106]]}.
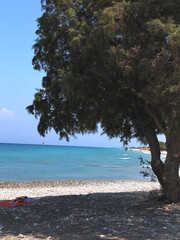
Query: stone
{"points": [[21, 236]]}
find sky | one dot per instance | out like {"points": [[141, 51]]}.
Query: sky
{"points": [[18, 80]]}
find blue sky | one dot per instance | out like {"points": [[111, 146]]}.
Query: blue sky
{"points": [[18, 80]]}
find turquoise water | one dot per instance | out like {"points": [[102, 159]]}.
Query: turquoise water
{"points": [[21, 162]]}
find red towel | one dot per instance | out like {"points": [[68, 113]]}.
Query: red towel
{"points": [[16, 202]]}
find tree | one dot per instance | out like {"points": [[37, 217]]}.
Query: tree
{"points": [[116, 63]]}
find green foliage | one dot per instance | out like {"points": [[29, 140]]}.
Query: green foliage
{"points": [[109, 62], [162, 146], [146, 169]]}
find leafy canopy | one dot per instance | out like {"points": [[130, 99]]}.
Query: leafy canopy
{"points": [[116, 63]]}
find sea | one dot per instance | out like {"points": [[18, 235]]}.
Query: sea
{"points": [[25, 162]]}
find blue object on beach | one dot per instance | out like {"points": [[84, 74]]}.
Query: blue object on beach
{"points": [[28, 200]]}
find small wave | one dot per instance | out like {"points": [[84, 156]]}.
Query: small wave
{"points": [[125, 158], [101, 166]]}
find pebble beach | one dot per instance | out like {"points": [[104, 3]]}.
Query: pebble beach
{"points": [[10, 190], [88, 210]]}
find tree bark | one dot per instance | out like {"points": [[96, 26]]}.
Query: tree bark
{"points": [[168, 172], [157, 165], [172, 164]]}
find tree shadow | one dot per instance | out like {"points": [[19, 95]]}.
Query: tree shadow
{"points": [[127, 215]]}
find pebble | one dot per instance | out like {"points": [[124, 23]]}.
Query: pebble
{"points": [[16, 218], [94, 210], [91, 186], [21, 236]]}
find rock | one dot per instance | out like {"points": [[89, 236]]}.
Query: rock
{"points": [[35, 224], [21, 236], [16, 218]]}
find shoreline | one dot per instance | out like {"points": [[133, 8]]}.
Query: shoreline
{"points": [[11, 190], [163, 153], [63, 183]]}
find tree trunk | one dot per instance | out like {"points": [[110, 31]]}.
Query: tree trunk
{"points": [[168, 173], [156, 163], [172, 188]]}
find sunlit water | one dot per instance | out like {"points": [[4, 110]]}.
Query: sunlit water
{"points": [[20, 162]]}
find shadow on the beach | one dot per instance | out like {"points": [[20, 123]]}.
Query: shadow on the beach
{"points": [[128, 215]]}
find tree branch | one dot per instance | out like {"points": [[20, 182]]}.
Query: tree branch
{"points": [[154, 117], [156, 120]]}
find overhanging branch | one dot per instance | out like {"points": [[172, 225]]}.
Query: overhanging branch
{"points": [[154, 117], [156, 120]]}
